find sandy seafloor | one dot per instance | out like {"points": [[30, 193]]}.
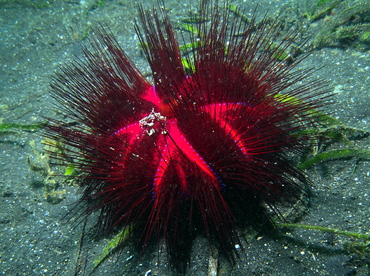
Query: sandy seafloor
{"points": [[34, 238]]}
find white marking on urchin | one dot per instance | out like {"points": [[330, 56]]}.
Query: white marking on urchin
{"points": [[148, 122]]}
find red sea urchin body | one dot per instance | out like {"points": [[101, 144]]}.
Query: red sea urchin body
{"points": [[198, 153]]}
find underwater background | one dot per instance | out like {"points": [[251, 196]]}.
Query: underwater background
{"points": [[36, 239]]}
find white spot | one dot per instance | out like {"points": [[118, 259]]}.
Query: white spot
{"points": [[338, 89], [148, 123]]}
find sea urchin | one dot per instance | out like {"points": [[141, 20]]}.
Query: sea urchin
{"points": [[204, 149]]}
